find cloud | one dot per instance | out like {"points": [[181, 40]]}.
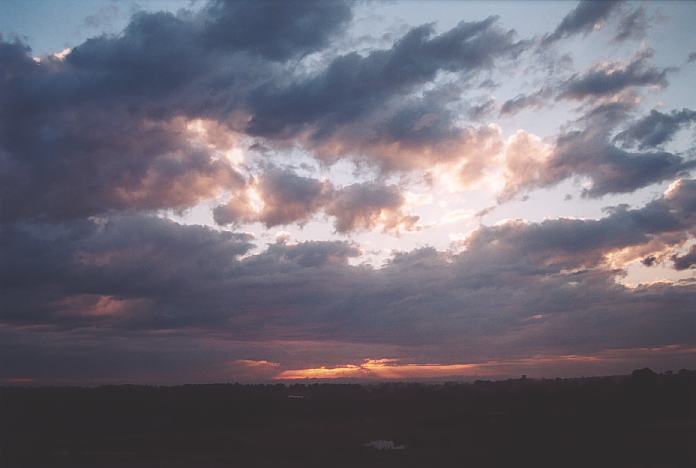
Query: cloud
{"points": [[686, 261], [656, 128], [611, 78], [586, 17], [284, 198], [204, 105], [275, 29], [588, 152], [59, 165], [353, 85], [523, 101], [116, 131], [367, 205], [147, 274], [101, 130], [576, 243], [480, 111], [63, 158], [356, 104], [633, 25]]}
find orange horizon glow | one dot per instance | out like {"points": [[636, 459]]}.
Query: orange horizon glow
{"points": [[379, 369], [391, 369]]}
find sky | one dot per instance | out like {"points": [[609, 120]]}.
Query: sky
{"points": [[237, 191]]}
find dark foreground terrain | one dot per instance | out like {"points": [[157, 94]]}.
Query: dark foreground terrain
{"points": [[642, 420]]}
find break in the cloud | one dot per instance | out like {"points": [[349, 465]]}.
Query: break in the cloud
{"points": [[249, 116]]}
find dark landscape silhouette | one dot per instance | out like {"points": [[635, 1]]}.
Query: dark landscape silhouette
{"points": [[642, 420]]}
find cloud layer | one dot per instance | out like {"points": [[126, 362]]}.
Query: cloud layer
{"points": [[268, 114]]}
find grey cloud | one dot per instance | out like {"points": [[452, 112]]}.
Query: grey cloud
{"points": [[656, 128], [289, 198], [140, 273], [111, 133], [588, 152], [633, 25], [79, 167], [481, 111], [274, 28], [582, 19], [353, 85], [104, 129], [649, 260], [686, 261], [559, 244], [599, 81], [611, 169], [523, 101], [605, 80], [363, 206]]}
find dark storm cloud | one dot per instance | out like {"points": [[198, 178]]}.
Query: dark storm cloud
{"points": [[686, 261], [584, 18], [610, 79], [656, 128], [588, 152]]}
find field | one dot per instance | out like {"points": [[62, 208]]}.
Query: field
{"points": [[642, 420]]}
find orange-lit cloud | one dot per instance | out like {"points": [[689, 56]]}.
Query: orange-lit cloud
{"points": [[256, 364], [379, 369], [95, 305]]}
